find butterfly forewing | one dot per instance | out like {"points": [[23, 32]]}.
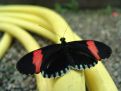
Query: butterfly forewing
{"points": [[104, 50], [51, 61], [86, 53], [25, 64], [32, 62]]}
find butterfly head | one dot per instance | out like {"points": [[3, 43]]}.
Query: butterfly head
{"points": [[62, 40]]}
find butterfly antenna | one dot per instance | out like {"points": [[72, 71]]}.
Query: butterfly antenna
{"points": [[65, 30], [73, 34], [58, 35]]}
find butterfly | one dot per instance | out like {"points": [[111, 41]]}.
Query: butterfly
{"points": [[57, 59]]}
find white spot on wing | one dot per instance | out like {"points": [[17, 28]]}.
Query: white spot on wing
{"points": [[81, 67], [42, 73], [85, 66]]}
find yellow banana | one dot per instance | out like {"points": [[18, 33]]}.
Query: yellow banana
{"points": [[4, 44]]}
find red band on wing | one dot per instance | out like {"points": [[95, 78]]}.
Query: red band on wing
{"points": [[37, 60], [93, 49]]}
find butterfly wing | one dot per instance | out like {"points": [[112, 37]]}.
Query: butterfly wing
{"points": [[86, 53], [50, 61], [31, 62], [54, 60], [55, 65], [25, 65]]}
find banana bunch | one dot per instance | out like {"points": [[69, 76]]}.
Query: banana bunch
{"points": [[15, 20]]}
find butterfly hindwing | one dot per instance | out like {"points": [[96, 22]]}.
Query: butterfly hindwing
{"points": [[82, 60], [56, 64]]}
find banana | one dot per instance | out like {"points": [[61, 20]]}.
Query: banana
{"points": [[4, 44]]}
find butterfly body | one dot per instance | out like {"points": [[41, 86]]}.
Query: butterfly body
{"points": [[57, 59]]}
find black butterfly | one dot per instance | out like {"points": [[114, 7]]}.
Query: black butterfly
{"points": [[56, 60]]}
